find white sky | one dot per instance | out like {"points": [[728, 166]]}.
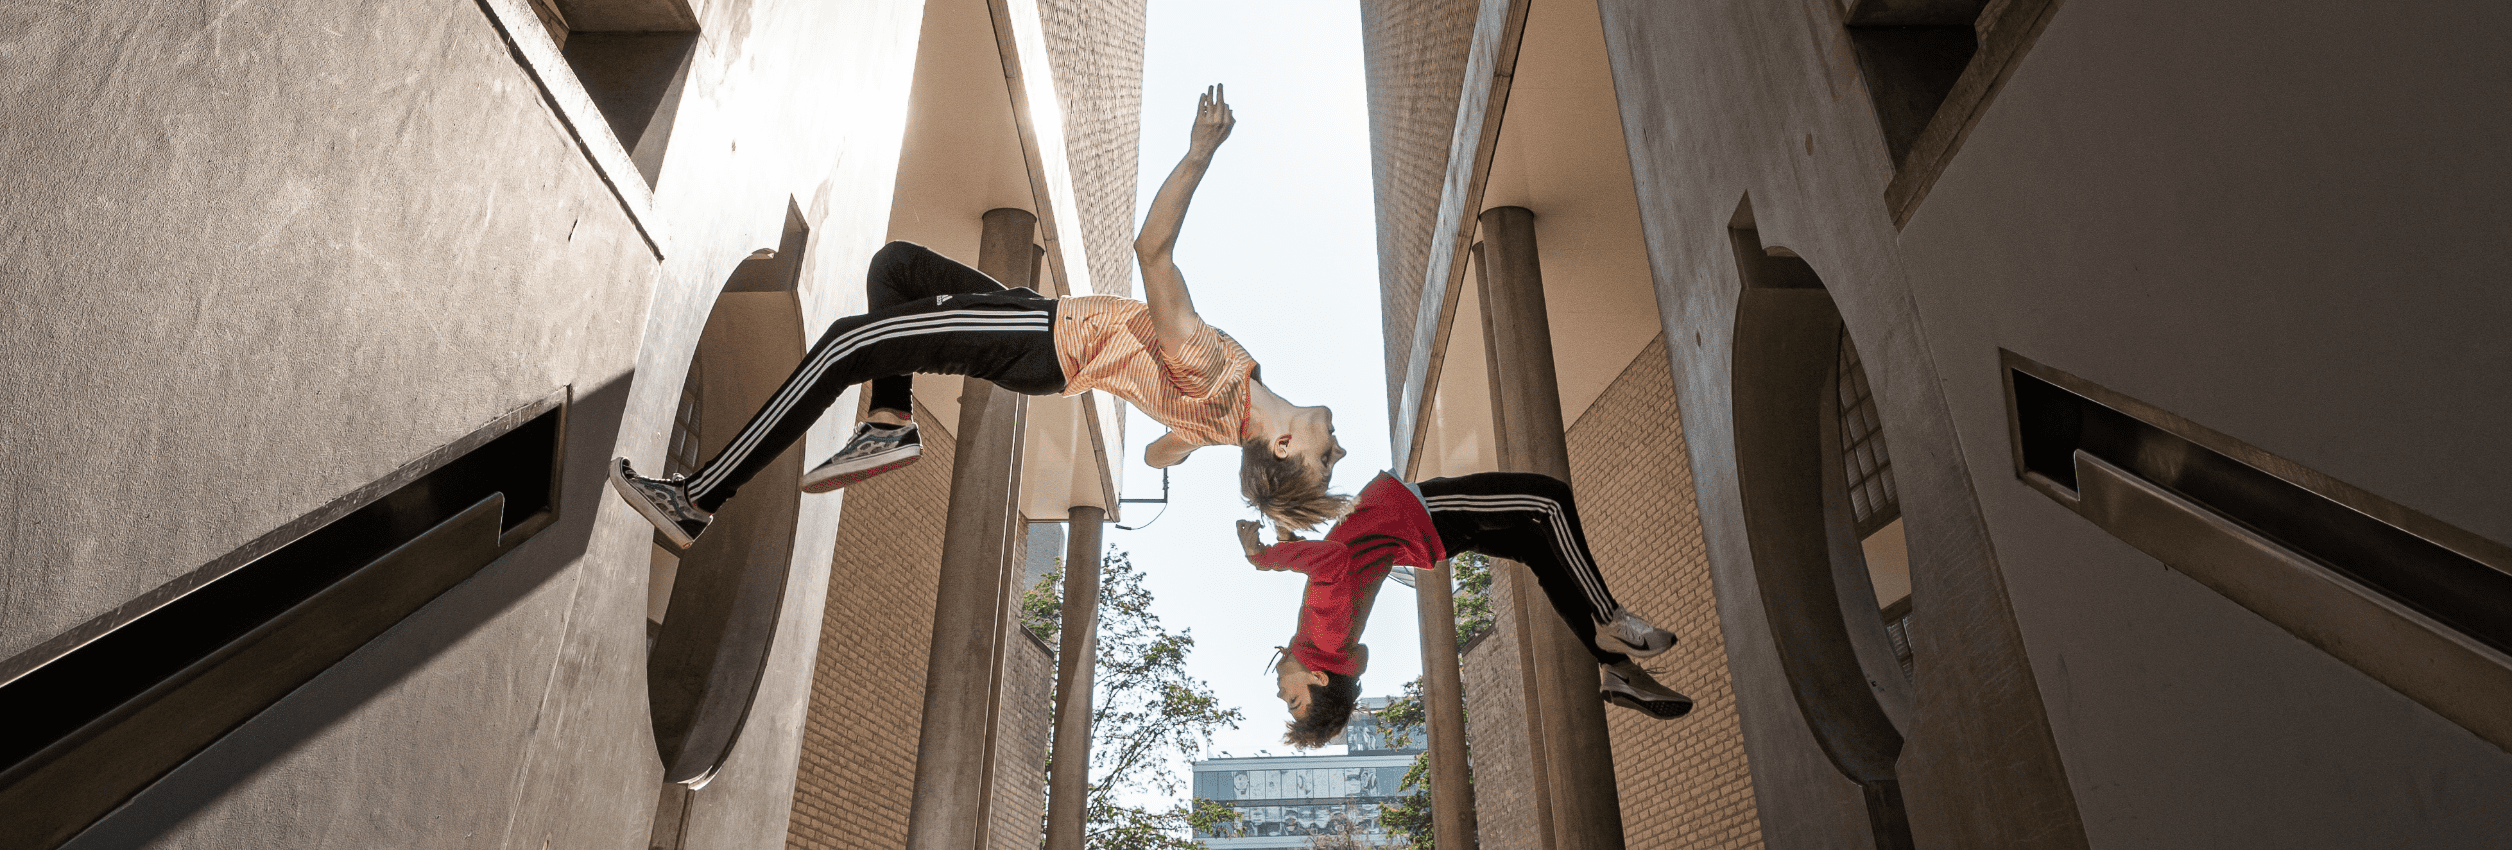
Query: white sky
{"points": [[1280, 250]]}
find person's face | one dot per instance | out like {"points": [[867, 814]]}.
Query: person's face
{"points": [[1312, 435], [1292, 681]]}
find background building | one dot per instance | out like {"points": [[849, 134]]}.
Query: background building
{"points": [[1284, 801], [2048, 425]]}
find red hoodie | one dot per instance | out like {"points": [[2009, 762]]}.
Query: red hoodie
{"points": [[1387, 526]]}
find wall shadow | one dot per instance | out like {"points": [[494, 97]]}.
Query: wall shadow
{"points": [[592, 431]]}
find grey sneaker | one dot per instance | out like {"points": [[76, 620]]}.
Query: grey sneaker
{"points": [[1626, 633], [875, 449], [1627, 685], [663, 502]]}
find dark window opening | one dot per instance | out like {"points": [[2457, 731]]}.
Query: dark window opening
{"points": [[1872, 500], [1930, 67], [633, 58], [1874, 504], [2054, 423], [117, 712], [1911, 53]]}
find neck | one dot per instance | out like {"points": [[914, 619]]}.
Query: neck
{"points": [[1268, 415]]}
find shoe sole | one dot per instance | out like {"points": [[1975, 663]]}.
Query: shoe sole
{"points": [[671, 530], [840, 477], [1610, 643], [1660, 709]]}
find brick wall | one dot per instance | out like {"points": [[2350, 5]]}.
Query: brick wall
{"points": [[1020, 744], [1495, 716], [1414, 55], [1096, 50], [867, 694], [1683, 782]]}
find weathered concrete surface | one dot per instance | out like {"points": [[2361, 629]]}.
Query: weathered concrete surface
{"points": [[259, 255], [2291, 236]]}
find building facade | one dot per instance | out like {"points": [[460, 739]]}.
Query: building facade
{"points": [[2054, 422], [1288, 801], [315, 547]]}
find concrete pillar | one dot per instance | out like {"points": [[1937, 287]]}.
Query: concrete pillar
{"points": [[1077, 655], [1567, 728], [974, 600], [1443, 703]]}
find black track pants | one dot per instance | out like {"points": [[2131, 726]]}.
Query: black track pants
{"points": [[1527, 518], [929, 314]]}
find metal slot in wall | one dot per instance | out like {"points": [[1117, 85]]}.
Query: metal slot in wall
{"points": [[2421, 606], [96, 724]]}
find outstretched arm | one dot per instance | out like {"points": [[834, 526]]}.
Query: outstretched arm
{"points": [[1164, 287]]}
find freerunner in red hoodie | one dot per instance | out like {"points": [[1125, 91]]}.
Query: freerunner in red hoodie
{"points": [[1523, 517]]}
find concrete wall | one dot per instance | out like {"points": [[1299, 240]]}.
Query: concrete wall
{"points": [[262, 255], [1685, 782], [1414, 52], [2279, 222]]}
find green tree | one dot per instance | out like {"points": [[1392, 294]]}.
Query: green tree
{"points": [[1147, 711], [1344, 832], [1474, 612]]}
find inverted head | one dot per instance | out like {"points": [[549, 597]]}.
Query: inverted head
{"points": [[1285, 475], [1320, 701]]}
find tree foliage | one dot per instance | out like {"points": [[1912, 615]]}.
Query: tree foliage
{"points": [[1147, 712], [1344, 832], [1474, 611]]}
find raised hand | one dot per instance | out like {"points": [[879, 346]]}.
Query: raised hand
{"points": [[1212, 121], [1251, 541]]}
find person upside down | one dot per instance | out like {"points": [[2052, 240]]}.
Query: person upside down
{"points": [[934, 315], [1524, 517]]}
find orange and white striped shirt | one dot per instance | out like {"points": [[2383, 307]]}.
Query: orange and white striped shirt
{"points": [[1196, 386]]}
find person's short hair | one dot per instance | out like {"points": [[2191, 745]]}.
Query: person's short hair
{"points": [[1290, 490], [1329, 709]]}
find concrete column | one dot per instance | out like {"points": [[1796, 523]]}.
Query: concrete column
{"points": [[1076, 659], [1572, 751], [1443, 703], [976, 594]]}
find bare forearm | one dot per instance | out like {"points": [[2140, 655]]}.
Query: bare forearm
{"points": [[1164, 287], [1168, 207]]}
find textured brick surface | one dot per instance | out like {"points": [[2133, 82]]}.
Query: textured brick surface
{"points": [[867, 693], [1096, 49], [1684, 782], [1414, 53], [1495, 712], [1020, 748]]}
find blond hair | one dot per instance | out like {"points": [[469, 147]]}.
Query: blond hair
{"points": [[1289, 490]]}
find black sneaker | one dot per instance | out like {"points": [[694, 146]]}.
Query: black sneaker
{"points": [[1626, 633], [663, 502], [875, 449], [1627, 685]]}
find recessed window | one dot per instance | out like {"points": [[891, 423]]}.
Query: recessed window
{"points": [[1872, 502], [632, 58], [1930, 68], [105, 718], [1807, 438], [708, 649], [1874, 505], [2417, 604]]}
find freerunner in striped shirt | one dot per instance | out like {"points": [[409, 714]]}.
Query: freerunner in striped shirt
{"points": [[1520, 516], [931, 314]]}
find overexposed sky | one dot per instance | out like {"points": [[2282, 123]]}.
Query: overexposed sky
{"points": [[1280, 250]]}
